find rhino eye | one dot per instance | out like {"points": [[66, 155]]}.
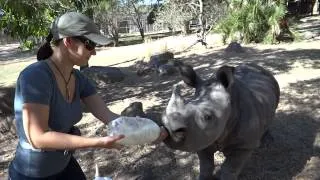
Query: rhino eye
{"points": [[207, 117]]}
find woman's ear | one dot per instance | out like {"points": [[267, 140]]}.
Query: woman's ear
{"points": [[68, 41]]}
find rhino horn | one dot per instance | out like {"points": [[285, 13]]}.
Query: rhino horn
{"points": [[176, 102]]}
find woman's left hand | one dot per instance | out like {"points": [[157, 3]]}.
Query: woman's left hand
{"points": [[163, 135]]}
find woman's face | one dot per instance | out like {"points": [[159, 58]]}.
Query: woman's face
{"points": [[80, 50]]}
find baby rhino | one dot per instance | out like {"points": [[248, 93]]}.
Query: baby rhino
{"points": [[229, 112]]}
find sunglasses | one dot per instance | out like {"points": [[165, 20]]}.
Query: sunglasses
{"points": [[88, 44]]}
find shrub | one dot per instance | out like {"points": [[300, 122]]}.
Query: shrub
{"points": [[252, 20]]}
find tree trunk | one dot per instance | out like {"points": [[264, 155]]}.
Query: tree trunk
{"points": [[186, 27], [141, 33], [202, 24], [315, 9], [115, 35], [116, 40], [113, 29], [137, 21]]}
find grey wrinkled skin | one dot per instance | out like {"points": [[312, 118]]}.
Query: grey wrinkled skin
{"points": [[229, 112]]}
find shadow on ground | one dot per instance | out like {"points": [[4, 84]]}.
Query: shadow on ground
{"points": [[276, 60], [14, 53], [309, 25]]}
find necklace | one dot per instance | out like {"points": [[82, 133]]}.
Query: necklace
{"points": [[66, 82]]}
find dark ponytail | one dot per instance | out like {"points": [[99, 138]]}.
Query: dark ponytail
{"points": [[45, 50]]}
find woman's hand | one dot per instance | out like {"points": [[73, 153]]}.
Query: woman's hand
{"points": [[163, 135], [110, 142]]}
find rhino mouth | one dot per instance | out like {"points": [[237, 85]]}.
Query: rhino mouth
{"points": [[178, 135]]}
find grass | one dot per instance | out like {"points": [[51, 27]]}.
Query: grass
{"points": [[10, 72], [132, 39]]}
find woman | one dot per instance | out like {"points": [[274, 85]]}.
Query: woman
{"points": [[48, 103]]}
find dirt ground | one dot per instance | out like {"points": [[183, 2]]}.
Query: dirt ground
{"points": [[293, 154]]}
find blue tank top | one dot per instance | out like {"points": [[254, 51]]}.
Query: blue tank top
{"points": [[37, 84]]}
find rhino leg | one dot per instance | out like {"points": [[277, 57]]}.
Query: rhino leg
{"points": [[206, 159], [234, 163]]}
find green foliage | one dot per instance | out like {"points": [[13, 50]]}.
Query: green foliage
{"points": [[112, 14], [107, 14], [177, 14], [27, 44], [173, 15], [252, 20], [25, 19]]}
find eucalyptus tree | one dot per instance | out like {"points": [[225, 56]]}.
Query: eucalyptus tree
{"points": [[208, 12], [25, 19], [174, 15], [177, 14], [137, 10], [108, 14]]}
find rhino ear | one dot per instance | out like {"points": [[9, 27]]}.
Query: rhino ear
{"points": [[225, 76], [188, 75]]}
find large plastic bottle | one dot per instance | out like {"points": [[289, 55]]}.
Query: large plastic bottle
{"points": [[137, 130]]}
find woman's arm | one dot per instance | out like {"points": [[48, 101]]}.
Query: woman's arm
{"points": [[99, 109], [35, 124]]}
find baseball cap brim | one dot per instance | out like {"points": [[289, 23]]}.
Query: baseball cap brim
{"points": [[99, 39]]}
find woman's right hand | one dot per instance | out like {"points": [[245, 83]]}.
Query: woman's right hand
{"points": [[110, 142]]}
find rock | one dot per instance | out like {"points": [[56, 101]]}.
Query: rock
{"points": [[136, 109], [308, 35], [234, 47], [6, 100], [6, 110], [158, 63], [133, 110], [166, 70], [103, 74], [7, 125], [285, 37], [317, 38], [160, 59], [143, 68]]}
